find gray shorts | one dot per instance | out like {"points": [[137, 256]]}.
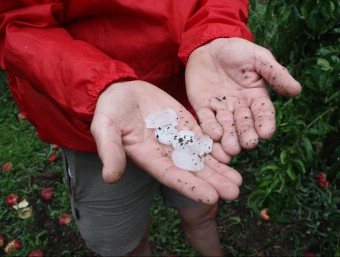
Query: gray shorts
{"points": [[112, 218]]}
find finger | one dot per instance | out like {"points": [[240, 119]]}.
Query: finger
{"points": [[209, 124], [224, 170], [229, 141], [183, 181], [109, 146], [273, 72], [219, 154], [226, 188], [264, 115], [245, 126]]}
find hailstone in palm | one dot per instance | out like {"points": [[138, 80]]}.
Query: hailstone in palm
{"points": [[188, 151]]}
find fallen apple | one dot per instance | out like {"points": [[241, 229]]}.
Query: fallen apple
{"points": [[25, 213], [65, 218], [36, 253], [7, 166], [22, 115], [323, 184], [23, 209], [12, 246], [2, 241], [47, 193], [53, 157], [12, 199], [321, 176], [264, 215]]}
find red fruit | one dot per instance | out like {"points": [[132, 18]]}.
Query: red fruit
{"points": [[36, 253], [7, 166], [2, 241], [321, 176], [53, 157], [264, 215], [47, 193], [12, 246], [22, 115], [323, 184], [65, 218], [310, 254], [12, 199]]}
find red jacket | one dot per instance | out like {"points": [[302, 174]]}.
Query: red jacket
{"points": [[59, 55]]}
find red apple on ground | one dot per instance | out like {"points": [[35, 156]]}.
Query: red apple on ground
{"points": [[22, 115], [53, 157], [65, 218], [12, 246], [36, 253], [321, 176], [47, 193], [12, 199], [2, 241], [264, 215], [7, 166], [323, 184]]}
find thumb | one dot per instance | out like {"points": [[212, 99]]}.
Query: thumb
{"points": [[109, 145], [274, 73]]}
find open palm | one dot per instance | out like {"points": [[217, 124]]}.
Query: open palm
{"points": [[226, 85], [119, 130]]}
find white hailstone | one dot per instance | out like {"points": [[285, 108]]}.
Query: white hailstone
{"points": [[205, 144], [166, 134], [187, 160], [183, 139], [188, 150], [161, 118]]}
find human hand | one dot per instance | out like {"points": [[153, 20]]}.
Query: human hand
{"points": [[225, 81], [119, 130]]}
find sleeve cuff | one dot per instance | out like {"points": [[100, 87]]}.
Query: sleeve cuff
{"points": [[103, 83], [197, 37]]}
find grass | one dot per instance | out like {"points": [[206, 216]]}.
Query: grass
{"points": [[20, 145]]}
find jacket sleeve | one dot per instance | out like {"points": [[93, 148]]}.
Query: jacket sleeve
{"points": [[35, 47], [214, 19]]}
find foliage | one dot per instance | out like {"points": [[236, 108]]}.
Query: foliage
{"points": [[166, 234], [304, 36]]}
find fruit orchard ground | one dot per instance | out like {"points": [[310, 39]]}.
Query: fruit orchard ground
{"points": [[241, 233]]}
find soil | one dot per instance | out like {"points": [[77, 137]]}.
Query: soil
{"points": [[59, 237]]}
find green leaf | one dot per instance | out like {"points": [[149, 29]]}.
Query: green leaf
{"points": [[328, 50], [324, 64], [283, 156], [308, 148], [297, 163], [270, 167], [234, 220], [291, 172]]}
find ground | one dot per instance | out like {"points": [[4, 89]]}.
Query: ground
{"points": [[242, 233], [61, 240]]}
